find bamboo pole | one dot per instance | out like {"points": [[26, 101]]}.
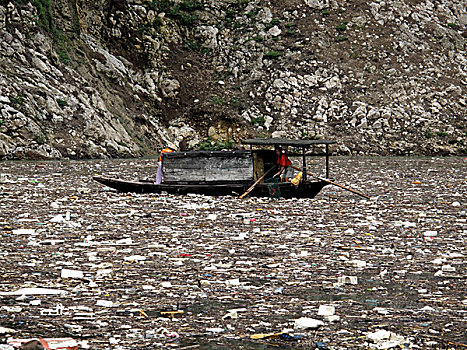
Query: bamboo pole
{"points": [[256, 182]]}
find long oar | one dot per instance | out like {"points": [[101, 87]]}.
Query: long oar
{"points": [[333, 183], [257, 182]]}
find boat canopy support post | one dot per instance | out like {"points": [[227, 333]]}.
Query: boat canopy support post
{"points": [[304, 164], [327, 161]]}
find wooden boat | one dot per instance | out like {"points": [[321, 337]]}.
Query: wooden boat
{"points": [[229, 172]]}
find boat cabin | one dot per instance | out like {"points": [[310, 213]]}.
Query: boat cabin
{"points": [[215, 167], [236, 167]]}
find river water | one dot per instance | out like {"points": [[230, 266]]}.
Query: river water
{"points": [[396, 262]]}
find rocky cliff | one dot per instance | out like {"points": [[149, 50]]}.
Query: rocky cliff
{"points": [[101, 78]]}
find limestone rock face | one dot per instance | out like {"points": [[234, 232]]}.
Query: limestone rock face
{"points": [[96, 79]]}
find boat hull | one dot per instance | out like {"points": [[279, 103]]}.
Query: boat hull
{"points": [[287, 190], [307, 189]]}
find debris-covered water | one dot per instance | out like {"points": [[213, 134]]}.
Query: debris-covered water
{"points": [[391, 270]]}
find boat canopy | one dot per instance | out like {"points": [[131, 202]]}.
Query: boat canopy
{"points": [[286, 142]]}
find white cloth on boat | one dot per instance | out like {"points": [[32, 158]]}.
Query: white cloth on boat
{"points": [[160, 173]]}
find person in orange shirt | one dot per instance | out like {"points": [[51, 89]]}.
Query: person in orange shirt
{"points": [[284, 165], [160, 173]]}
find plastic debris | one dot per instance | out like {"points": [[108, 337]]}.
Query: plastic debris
{"points": [[279, 335], [332, 318], [66, 273], [384, 339], [6, 347], [57, 311], [4, 179], [326, 310], [105, 303], [173, 271], [58, 219], [430, 233], [305, 323], [215, 330], [24, 231], [231, 315], [278, 290], [233, 282], [347, 280], [4, 330], [35, 291]]}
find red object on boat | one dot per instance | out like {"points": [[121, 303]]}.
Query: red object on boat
{"points": [[48, 343]]}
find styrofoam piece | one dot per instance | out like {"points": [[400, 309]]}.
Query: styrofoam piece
{"points": [[304, 323], [326, 310], [35, 291], [24, 231], [66, 273]]}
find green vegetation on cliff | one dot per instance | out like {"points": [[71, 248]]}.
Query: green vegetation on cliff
{"points": [[182, 12]]}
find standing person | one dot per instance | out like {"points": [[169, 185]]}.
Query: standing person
{"points": [[284, 165], [160, 173]]}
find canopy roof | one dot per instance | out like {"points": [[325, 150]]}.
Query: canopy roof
{"points": [[286, 142]]}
